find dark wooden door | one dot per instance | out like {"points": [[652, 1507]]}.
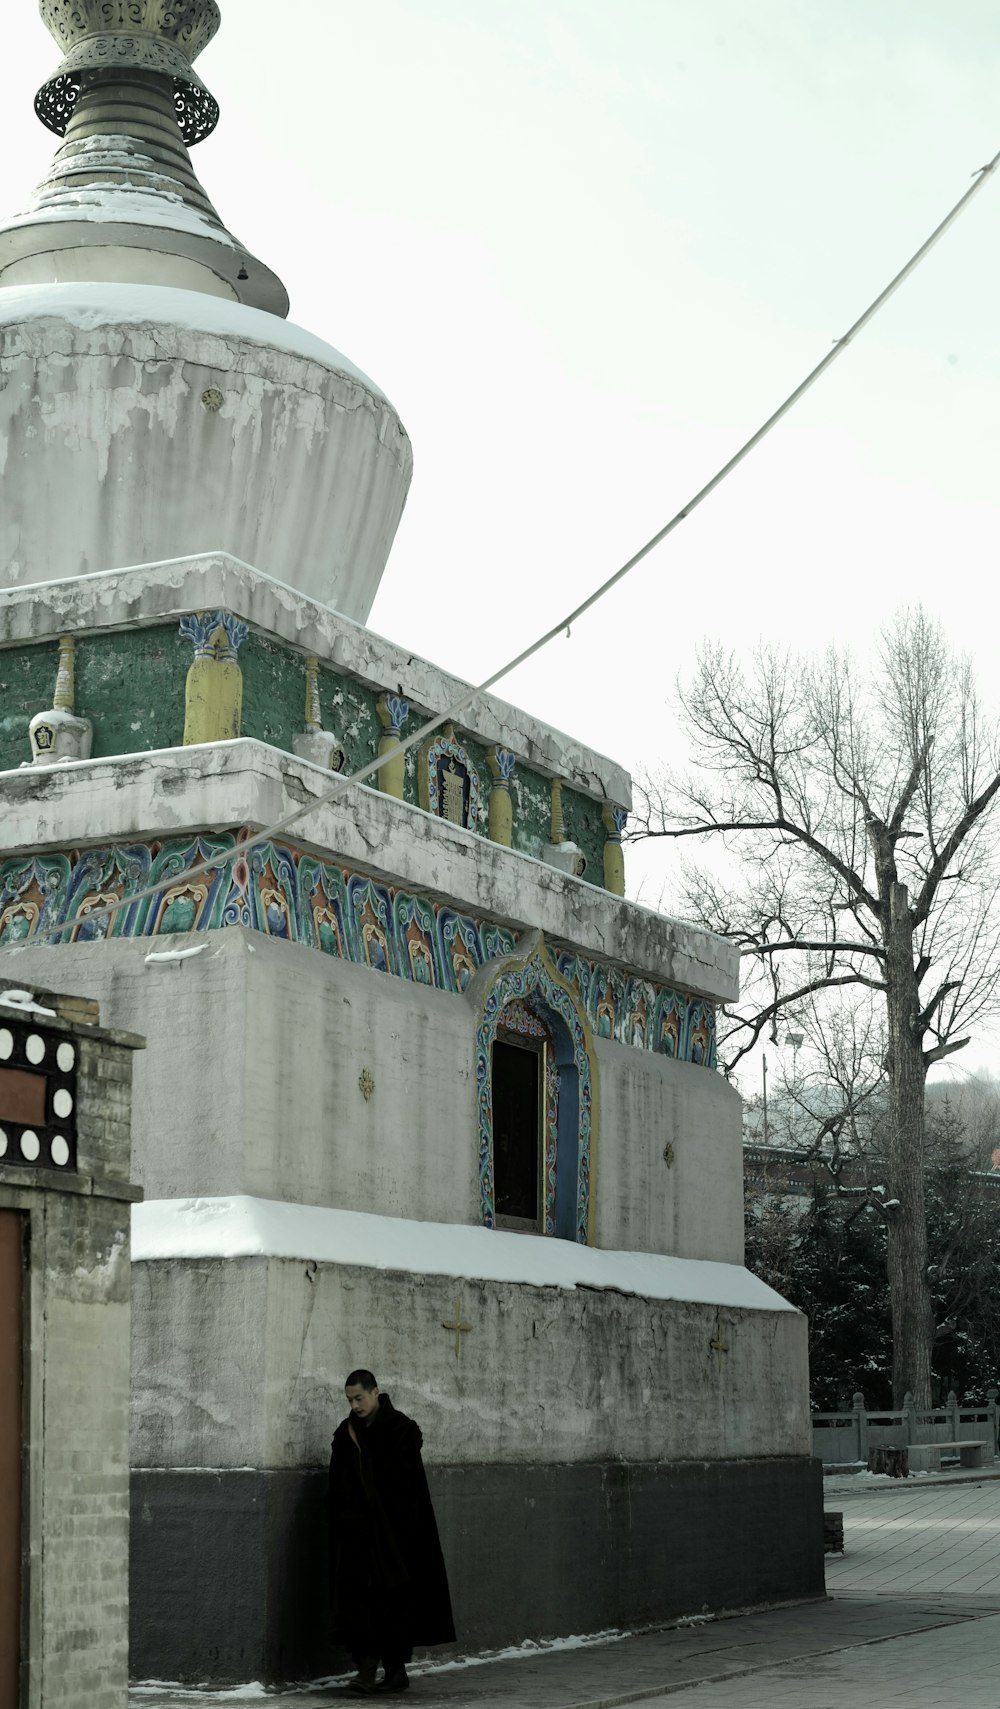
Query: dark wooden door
{"points": [[517, 1156], [11, 1379]]}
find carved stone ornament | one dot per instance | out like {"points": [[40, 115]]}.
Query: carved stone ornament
{"points": [[160, 36], [189, 23]]}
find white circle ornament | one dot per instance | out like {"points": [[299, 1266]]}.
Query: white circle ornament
{"points": [[62, 1102], [34, 1048], [30, 1144], [65, 1056], [60, 1151], [3, 1142], [6, 1043]]}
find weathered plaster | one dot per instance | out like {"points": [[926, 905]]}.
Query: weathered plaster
{"points": [[690, 1201], [543, 1376], [304, 467]]}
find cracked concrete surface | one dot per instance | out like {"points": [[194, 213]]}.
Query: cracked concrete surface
{"points": [[100, 395]]}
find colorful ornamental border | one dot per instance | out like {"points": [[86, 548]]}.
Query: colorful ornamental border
{"points": [[533, 981], [286, 893]]}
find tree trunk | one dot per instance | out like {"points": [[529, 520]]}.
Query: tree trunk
{"points": [[909, 1293]]}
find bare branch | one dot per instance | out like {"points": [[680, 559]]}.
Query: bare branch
{"points": [[780, 824], [940, 1051], [946, 854], [824, 944], [755, 1024], [926, 1015]]}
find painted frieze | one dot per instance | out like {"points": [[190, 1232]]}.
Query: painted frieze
{"points": [[289, 893]]}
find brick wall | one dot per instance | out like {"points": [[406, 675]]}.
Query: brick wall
{"points": [[74, 1652]]}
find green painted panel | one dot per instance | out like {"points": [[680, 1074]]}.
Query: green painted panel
{"points": [[531, 796], [348, 709], [27, 683], [131, 687], [274, 692], [582, 818]]}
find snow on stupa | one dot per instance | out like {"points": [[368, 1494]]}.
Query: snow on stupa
{"points": [[154, 403]]}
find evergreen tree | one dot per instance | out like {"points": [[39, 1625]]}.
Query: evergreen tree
{"points": [[829, 1259], [827, 1256]]}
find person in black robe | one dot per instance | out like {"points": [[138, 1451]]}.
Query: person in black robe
{"points": [[388, 1579]]}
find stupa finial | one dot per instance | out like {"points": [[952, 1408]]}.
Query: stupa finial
{"points": [[121, 201], [100, 36]]}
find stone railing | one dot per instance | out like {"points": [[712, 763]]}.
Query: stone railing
{"points": [[844, 1438]]}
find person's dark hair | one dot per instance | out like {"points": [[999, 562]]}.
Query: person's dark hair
{"points": [[362, 1380]]}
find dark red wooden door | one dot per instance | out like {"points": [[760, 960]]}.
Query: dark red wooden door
{"points": [[11, 1310]]}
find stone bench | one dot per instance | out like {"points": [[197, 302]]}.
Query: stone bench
{"points": [[926, 1456]]}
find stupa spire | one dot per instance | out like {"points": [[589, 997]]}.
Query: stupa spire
{"points": [[121, 200]]}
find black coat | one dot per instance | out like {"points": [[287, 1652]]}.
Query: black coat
{"points": [[387, 1572]]}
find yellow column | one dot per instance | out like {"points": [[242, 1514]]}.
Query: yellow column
{"points": [[393, 713], [501, 763], [614, 857], [213, 692], [557, 828], [314, 720], [65, 674]]}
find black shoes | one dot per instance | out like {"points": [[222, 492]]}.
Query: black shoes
{"points": [[363, 1684]]}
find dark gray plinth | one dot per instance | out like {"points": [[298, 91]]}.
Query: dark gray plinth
{"points": [[228, 1576]]}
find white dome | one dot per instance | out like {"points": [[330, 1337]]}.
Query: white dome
{"points": [[140, 423]]}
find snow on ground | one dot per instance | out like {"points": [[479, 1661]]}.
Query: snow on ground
{"points": [[513, 1652], [241, 1226]]}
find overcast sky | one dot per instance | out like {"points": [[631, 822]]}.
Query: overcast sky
{"points": [[585, 246]]}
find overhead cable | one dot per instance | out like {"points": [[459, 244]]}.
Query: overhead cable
{"points": [[462, 704]]}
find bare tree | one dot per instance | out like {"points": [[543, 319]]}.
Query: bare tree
{"points": [[860, 810]]}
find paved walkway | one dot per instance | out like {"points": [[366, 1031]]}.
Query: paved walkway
{"points": [[913, 1619]]}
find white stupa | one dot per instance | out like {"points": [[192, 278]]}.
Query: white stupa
{"points": [[422, 1091]]}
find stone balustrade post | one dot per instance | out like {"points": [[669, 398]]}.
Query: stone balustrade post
{"points": [[860, 1423]]}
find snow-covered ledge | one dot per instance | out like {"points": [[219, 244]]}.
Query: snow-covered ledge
{"points": [[242, 1227], [230, 784]]}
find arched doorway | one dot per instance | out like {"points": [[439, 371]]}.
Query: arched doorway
{"points": [[535, 1083]]}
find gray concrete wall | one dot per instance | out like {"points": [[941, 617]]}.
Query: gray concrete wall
{"points": [[235, 1562], [240, 1362], [669, 1174], [250, 1084], [78, 1483]]}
